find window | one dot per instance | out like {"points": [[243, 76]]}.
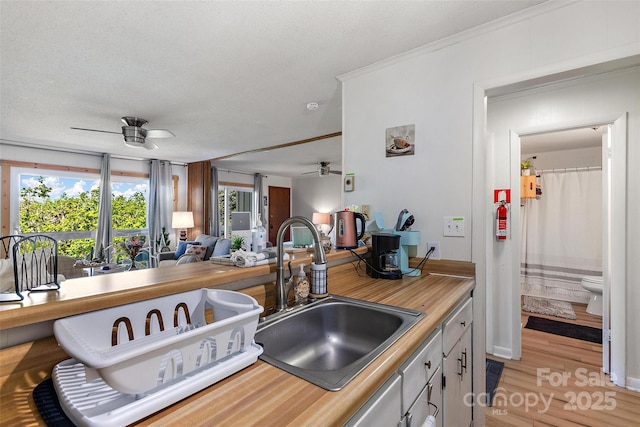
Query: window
{"points": [[64, 205], [232, 199]]}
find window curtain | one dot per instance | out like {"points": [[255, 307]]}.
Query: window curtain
{"points": [[214, 225], [160, 205], [562, 235], [257, 190], [104, 233]]}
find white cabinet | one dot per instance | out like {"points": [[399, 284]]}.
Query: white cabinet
{"points": [[421, 382], [457, 367], [438, 372], [383, 408]]}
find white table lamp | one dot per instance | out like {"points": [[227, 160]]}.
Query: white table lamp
{"points": [[181, 221]]}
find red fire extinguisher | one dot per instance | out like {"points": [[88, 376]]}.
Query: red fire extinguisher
{"points": [[501, 221]]}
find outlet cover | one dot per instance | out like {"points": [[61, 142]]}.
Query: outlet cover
{"points": [[453, 226], [436, 252]]}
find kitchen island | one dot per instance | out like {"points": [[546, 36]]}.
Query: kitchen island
{"points": [[260, 394]]}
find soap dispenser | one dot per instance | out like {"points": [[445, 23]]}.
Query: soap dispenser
{"points": [[301, 286]]}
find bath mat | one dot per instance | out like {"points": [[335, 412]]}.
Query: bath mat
{"points": [[493, 374], [585, 333], [46, 400], [548, 306]]}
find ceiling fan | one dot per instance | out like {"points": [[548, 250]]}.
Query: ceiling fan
{"points": [[323, 170], [135, 136]]}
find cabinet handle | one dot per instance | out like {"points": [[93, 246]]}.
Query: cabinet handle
{"points": [[429, 390], [464, 364], [463, 323], [460, 367], [428, 364]]}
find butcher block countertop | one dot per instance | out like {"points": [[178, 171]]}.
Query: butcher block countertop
{"points": [[261, 394]]}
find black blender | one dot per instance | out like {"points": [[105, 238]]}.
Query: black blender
{"points": [[384, 263]]}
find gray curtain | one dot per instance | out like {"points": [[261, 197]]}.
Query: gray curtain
{"points": [[160, 201], [104, 233], [214, 219], [257, 188]]}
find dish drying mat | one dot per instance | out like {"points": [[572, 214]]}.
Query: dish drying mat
{"points": [[96, 404], [46, 400]]}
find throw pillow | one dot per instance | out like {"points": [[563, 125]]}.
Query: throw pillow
{"points": [[186, 259], [182, 247], [209, 242], [223, 247], [197, 250]]}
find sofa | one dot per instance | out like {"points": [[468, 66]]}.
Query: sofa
{"points": [[202, 248]]}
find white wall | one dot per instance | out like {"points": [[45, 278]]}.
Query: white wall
{"points": [[316, 194], [575, 158], [604, 95], [436, 88]]}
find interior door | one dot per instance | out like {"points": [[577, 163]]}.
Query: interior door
{"points": [[279, 210]]}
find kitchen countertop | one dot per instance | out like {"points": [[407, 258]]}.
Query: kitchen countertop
{"points": [[262, 394], [85, 294]]}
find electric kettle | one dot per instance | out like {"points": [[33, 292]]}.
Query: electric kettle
{"points": [[347, 235]]}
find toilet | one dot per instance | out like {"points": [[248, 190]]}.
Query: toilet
{"points": [[594, 285]]}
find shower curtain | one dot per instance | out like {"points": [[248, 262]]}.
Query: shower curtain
{"points": [[562, 235]]}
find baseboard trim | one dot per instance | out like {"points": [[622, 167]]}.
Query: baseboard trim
{"points": [[633, 383], [503, 352]]}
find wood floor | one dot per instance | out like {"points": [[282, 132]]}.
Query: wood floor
{"points": [[558, 382]]}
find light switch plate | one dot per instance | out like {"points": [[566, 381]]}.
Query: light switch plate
{"points": [[453, 226]]}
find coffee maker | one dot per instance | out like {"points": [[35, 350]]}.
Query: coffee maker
{"points": [[384, 263]]}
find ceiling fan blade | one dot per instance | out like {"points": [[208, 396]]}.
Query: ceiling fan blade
{"points": [[336, 172], [132, 144], [159, 133], [309, 173], [149, 145], [96, 130]]}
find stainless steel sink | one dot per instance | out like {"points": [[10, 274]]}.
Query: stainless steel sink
{"points": [[330, 341]]}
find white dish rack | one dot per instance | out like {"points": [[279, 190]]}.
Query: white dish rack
{"points": [[133, 360]]}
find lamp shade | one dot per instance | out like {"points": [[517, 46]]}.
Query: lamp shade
{"points": [[321, 218], [182, 220]]}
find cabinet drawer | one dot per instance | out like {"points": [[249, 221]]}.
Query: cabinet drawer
{"points": [[419, 368], [459, 321]]}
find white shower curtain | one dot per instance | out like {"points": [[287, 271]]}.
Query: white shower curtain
{"points": [[562, 235]]}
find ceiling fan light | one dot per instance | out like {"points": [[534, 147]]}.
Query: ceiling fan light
{"points": [[133, 135]]}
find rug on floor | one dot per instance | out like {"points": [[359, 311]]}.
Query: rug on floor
{"points": [[494, 372], [549, 307], [570, 330]]}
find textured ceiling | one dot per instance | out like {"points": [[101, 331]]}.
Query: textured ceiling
{"points": [[224, 77]]}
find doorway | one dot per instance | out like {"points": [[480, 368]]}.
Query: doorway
{"points": [[279, 211], [562, 226], [613, 149]]}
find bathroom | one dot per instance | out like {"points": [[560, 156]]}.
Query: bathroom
{"points": [[562, 226]]}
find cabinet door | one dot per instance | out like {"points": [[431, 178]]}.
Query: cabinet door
{"points": [[421, 409], [466, 399], [457, 369], [452, 371]]}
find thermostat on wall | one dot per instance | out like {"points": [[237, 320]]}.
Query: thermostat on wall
{"points": [[349, 182]]}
